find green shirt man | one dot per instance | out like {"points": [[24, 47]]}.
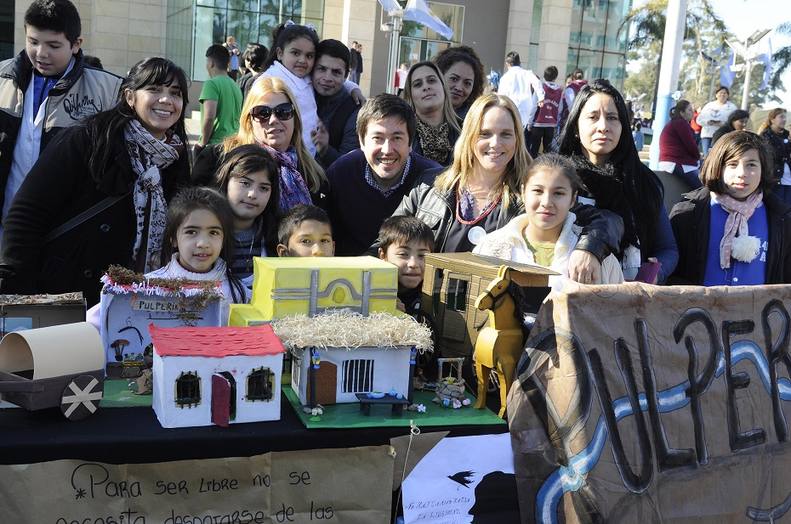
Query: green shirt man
{"points": [[220, 98]]}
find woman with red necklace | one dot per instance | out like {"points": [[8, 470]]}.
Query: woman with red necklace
{"points": [[480, 191]]}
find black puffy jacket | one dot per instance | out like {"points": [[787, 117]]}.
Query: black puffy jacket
{"points": [[58, 188]]}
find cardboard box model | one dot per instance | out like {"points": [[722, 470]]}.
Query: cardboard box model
{"points": [[18, 312], [451, 285], [216, 375], [54, 366], [339, 354], [130, 303], [310, 286]]}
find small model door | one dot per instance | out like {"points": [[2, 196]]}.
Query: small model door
{"points": [[326, 380], [220, 400]]}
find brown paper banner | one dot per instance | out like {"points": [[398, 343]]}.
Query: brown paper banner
{"points": [[639, 403], [349, 486]]}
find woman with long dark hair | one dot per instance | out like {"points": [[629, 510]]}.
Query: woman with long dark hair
{"points": [[98, 194], [678, 152], [597, 139], [437, 123]]}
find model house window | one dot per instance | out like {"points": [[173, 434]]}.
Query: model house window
{"points": [[188, 389], [457, 294], [260, 383], [358, 376]]}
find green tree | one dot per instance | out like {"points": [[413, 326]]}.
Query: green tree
{"points": [[705, 51], [781, 60]]}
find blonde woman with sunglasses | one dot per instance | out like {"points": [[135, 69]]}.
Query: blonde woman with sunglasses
{"points": [[271, 119]]}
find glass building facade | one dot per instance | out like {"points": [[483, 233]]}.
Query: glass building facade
{"points": [[598, 39], [418, 43], [6, 29], [194, 25]]}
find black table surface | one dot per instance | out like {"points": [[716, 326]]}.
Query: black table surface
{"points": [[133, 435]]}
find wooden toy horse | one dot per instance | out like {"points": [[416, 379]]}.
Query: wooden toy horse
{"points": [[499, 344]]}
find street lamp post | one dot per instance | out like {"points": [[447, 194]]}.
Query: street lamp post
{"points": [[749, 51], [667, 83], [393, 27]]}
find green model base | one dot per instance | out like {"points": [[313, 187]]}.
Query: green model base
{"points": [[339, 416]]}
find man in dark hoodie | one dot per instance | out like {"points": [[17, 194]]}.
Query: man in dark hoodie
{"points": [[336, 108]]}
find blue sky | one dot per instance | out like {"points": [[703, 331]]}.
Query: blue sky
{"points": [[744, 17]]}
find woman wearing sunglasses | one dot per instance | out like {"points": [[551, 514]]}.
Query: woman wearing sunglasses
{"points": [[270, 118]]}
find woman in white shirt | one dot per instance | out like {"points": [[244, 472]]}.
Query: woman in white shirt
{"points": [[713, 115]]}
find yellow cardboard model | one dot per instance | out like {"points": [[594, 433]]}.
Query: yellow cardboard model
{"points": [[312, 285]]}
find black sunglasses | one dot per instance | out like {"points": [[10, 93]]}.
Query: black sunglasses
{"points": [[282, 112]]}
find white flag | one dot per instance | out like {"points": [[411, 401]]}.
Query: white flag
{"points": [[390, 6], [418, 11]]}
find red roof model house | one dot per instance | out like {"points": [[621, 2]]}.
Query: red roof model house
{"points": [[216, 375]]}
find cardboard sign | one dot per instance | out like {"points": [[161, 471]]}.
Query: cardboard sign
{"points": [[637, 403], [125, 320], [332, 485], [461, 479]]}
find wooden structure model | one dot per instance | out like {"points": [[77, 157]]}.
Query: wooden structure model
{"points": [[216, 375], [54, 366], [499, 344], [451, 285]]}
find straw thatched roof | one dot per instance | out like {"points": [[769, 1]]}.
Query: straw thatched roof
{"points": [[345, 329]]}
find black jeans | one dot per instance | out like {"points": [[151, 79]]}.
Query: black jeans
{"points": [[539, 135]]}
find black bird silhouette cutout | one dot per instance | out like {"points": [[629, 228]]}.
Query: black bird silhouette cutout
{"points": [[462, 477]]}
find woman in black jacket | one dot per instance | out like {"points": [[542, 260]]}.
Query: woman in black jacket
{"points": [[775, 134], [596, 137], [98, 194]]}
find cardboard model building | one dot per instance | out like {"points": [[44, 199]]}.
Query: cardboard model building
{"points": [[338, 355], [18, 312], [311, 285], [216, 375], [53, 366], [451, 284], [130, 302]]}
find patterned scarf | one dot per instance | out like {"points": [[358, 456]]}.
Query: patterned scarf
{"points": [[465, 207], [293, 189], [739, 212], [435, 141], [606, 185], [148, 156]]}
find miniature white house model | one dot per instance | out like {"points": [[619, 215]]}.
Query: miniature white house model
{"points": [[216, 375]]}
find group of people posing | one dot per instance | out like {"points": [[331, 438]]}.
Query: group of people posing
{"points": [[119, 187]]}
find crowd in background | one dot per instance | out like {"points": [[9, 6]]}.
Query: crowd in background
{"points": [[292, 161]]}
